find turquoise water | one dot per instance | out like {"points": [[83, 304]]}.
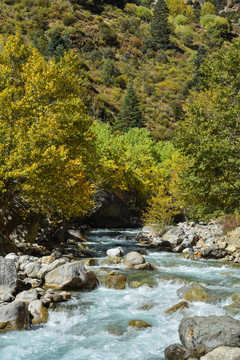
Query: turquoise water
{"points": [[94, 325]]}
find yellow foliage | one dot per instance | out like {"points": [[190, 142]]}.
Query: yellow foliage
{"points": [[167, 201], [45, 141]]}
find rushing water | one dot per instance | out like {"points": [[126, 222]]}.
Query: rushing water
{"points": [[94, 325]]}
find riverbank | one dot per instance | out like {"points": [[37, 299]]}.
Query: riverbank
{"points": [[203, 240]]}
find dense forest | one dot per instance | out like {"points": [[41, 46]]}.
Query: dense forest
{"points": [[140, 98]]}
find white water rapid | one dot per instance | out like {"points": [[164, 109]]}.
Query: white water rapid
{"points": [[94, 325]]}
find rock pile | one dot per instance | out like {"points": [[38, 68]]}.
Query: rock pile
{"points": [[28, 287], [199, 239]]}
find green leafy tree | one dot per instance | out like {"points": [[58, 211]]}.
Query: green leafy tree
{"points": [[207, 8], [45, 141], [109, 72], [130, 115], [160, 28], [58, 45], [210, 136]]}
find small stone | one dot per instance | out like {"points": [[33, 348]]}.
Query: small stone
{"points": [[139, 324], [173, 309]]}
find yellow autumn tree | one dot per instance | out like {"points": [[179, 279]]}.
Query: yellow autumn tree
{"points": [[167, 201], [46, 146], [179, 7]]}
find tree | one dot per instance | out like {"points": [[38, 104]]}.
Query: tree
{"points": [[177, 7], [109, 72], [46, 148], [58, 45], [208, 8], [210, 136], [130, 115], [160, 28]]}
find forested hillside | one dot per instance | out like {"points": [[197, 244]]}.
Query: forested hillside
{"points": [[140, 98]]}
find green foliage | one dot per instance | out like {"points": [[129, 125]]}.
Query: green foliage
{"points": [[185, 34], [130, 163], [216, 26], [109, 72], [160, 29], [130, 115], [144, 13], [107, 35], [181, 20], [210, 136], [58, 45], [208, 8]]}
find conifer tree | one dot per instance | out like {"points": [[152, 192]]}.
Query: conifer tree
{"points": [[160, 29], [130, 115]]}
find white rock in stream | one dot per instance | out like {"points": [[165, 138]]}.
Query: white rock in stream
{"points": [[115, 252]]}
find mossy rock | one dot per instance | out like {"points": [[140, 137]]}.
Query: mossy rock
{"points": [[91, 262], [236, 297], [197, 295], [233, 309], [173, 309], [140, 324], [116, 281], [147, 282]]}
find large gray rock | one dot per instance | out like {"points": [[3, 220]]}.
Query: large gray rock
{"points": [[27, 296], [174, 235], [8, 277], [202, 334], [14, 316], [223, 353], [48, 268], [133, 258], [32, 269], [72, 276]]}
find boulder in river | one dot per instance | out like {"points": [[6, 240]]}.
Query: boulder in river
{"points": [[223, 353], [193, 292], [140, 324], [115, 252], [8, 277], [133, 258], [116, 281], [202, 334], [71, 276], [176, 352], [14, 316], [38, 311], [179, 306]]}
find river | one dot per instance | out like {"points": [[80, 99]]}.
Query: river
{"points": [[94, 325]]}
